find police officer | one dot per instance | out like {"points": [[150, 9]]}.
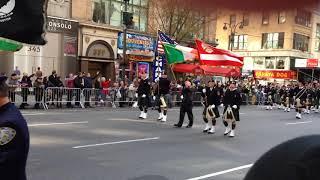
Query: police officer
{"points": [[186, 105], [14, 138], [211, 95], [231, 100], [162, 93], [143, 94]]}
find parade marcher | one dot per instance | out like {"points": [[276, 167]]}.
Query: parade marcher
{"points": [[231, 102], [310, 97], [162, 93], [282, 97], [317, 98], [287, 99], [14, 138], [143, 94], [270, 92], [186, 105], [300, 100], [211, 95]]}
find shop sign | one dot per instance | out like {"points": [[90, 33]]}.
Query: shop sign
{"points": [[139, 47], [58, 25], [274, 74], [307, 63], [312, 63]]}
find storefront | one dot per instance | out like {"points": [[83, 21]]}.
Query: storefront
{"points": [[140, 52], [97, 50], [308, 69], [60, 53]]}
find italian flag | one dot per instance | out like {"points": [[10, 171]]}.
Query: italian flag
{"points": [[9, 45], [179, 54]]}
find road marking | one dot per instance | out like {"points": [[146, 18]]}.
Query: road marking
{"points": [[32, 114], [222, 172], [119, 142], [305, 122], [53, 124], [131, 120]]}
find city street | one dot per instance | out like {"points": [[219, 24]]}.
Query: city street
{"points": [[114, 144]]}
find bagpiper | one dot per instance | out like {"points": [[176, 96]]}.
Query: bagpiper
{"points": [[162, 92], [310, 97], [143, 94], [231, 101], [317, 98], [283, 96], [270, 91], [300, 100], [211, 95]]}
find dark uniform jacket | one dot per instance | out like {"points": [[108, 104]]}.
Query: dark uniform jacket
{"points": [[212, 96], [14, 143], [232, 98], [144, 88], [187, 100], [164, 87]]}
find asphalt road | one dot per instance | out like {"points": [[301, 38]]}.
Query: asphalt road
{"points": [[114, 145]]}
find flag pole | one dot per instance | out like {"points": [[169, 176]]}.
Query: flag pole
{"points": [[174, 76]]}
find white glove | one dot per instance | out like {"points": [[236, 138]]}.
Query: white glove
{"points": [[181, 96], [154, 98], [143, 96], [234, 106], [213, 106], [136, 94], [221, 105], [204, 90]]}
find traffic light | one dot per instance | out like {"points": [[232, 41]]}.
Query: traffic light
{"points": [[128, 18]]}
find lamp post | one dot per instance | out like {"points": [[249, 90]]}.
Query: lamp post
{"points": [[233, 31], [125, 28]]}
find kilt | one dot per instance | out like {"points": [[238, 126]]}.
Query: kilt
{"points": [[144, 102], [235, 113], [215, 111]]}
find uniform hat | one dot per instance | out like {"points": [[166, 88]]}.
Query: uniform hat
{"points": [[297, 159]]}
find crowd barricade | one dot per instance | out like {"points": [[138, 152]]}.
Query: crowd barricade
{"points": [[58, 96], [27, 96]]}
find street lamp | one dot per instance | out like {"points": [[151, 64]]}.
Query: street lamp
{"points": [[126, 22], [233, 28]]}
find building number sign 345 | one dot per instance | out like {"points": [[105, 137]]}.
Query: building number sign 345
{"points": [[34, 48]]}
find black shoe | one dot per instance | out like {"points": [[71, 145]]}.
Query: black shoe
{"points": [[177, 125], [188, 126]]}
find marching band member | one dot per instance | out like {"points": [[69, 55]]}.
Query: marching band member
{"points": [[310, 97], [282, 100], [162, 92], [270, 92], [186, 105], [143, 93], [317, 97], [287, 99], [231, 101], [211, 96], [300, 99]]}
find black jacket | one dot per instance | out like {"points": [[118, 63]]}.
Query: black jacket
{"points": [[212, 96], [232, 98], [187, 94], [78, 82], [164, 87], [144, 88]]}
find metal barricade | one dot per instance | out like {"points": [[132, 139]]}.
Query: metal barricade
{"points": [[95, 97], [27, 96], [58, 96]]}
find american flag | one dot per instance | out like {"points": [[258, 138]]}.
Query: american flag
{"points": [[163, 38]]}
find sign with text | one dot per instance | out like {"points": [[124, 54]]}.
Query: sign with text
{"points": [[274, 74], [58, 25], [307, 63]]}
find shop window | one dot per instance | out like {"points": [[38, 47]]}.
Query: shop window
{"points": [[240, 42], [259, 63], [265, 18], [233, 19], [300, 42], [303, 18], [245, 19], [282, 17], [270, 62], [99, 11], [317, 40], [272, 40], [280, 63]]}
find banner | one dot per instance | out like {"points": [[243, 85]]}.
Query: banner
{"points": [[143, 68], [158, 67], [274, 74], [23, 20], [307, 63], [139, 47]]}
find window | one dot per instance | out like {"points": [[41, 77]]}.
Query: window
{"points": [[303, 18], [282, 17], [280, 63], [300, 42], [240, 42], [270, 62], [272, 40], [245, 19], [265, 18], [110, 12], [317, 46], [233, 19]]}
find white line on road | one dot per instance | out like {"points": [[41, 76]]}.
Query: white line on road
{"points": [[222, 172], [305, 122], [131, 120], [53, 124], [32, 114], [119, 142]]}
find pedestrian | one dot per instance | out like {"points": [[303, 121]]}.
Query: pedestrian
{"points": [[25, 84], [38, 73], [69, 82], [17, 72], [186, 105], [13, 84], [79, 84], [231, 102], [143, 94], [38, 91], [88, 85], [211, 95], [14, 138]]}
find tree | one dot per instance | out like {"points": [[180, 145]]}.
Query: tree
{"points": [[178, 20]]}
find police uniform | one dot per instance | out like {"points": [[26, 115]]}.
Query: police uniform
{"points": [[143, 93], [186, 107], [162, 99], [211, 112], [231, 101], [14, 143]]}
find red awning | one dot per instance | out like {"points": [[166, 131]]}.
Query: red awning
{"points": [[206, 70]]}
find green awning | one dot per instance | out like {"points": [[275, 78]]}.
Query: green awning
{"points": [[9, 45]]}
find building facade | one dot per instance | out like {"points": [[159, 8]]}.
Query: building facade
{"points": [[270, 41]]}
